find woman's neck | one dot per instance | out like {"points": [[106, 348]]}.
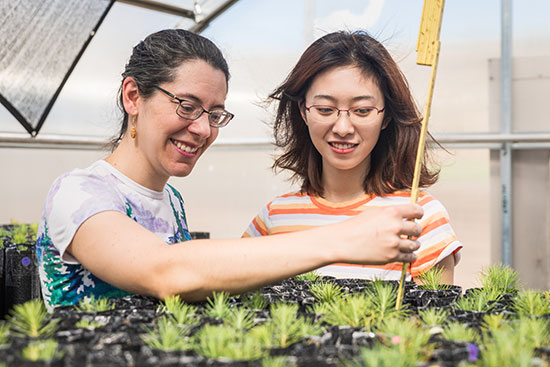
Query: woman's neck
{"points": [[129, 160], [343, 185]]}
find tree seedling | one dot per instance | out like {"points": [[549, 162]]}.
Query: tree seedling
{"points": [[433, 316], [531, 303], [459, 332], [217, 341], [285, 327], [493, 322], [325, 291], [478, 300], [239, 319], [354, 310], [88, 324], [254, 300], [181, 312], [276, 362], [431, 279], [311, 276], [4, 333], [406, 336], [218, 305], [505, 347], [31, 319], [42, 350], [382, 356], [91, 304], [168, 336], [500, 278]]}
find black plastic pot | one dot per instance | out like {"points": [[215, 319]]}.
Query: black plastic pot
{"points": [[2, 283], [21, 275], [199, 235], [423, 298]]}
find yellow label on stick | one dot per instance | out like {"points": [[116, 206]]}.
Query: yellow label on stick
{"points": [[428, 36]]}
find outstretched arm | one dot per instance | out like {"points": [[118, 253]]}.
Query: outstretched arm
{"points": [[126, 255]]}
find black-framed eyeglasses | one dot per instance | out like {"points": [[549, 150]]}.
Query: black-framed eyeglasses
{"points": [[357, 114], [218, 117]]}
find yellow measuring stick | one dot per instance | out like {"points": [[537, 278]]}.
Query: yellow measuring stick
{"points": [[428, 54]]}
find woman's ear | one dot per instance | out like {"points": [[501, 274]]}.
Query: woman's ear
{"points": [[302, 108], [130, 96], [386, 121]]}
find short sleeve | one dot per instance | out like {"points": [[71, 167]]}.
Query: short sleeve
{"points": [[437, 240], [260, 224], [73, 199]]}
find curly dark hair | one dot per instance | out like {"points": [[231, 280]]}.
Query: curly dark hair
{"points": [[393, 158]]}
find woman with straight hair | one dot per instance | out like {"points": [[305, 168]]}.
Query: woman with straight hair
{"points": [[349, 129]]}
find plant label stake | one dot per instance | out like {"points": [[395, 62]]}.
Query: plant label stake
{"points": [[428, 54]]}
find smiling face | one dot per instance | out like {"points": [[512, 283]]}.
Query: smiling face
{"points": [[344, 144], [168, 144]]}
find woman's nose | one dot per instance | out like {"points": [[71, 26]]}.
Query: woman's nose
{"points": [[343, 125], [200, 126]]}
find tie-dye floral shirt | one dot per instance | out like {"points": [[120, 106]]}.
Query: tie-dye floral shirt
{"points": [[76, 196]]}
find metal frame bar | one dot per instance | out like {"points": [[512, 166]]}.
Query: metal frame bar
{"points": [[493, 141], [506, 128], [162, 7]]}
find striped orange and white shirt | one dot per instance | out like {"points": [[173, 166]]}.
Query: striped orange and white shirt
{"points": [[297, 212]]}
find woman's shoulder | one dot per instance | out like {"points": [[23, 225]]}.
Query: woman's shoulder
{"points": [[92, 178], [291, 198]]}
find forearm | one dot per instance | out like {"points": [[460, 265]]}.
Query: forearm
{"points": [[197, 268]]}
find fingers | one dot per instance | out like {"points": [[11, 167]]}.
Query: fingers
{"points": [[410, 211], [406, 258], [406, 251], [412, 229]]}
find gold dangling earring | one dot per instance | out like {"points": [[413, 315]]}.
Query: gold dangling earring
{"points": [[133, 132]]}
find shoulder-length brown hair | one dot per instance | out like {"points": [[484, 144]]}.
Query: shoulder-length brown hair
{"points": [[393, 158]]}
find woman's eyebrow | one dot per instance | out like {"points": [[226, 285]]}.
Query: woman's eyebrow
{"points": [[194, 98], [354, 99]]}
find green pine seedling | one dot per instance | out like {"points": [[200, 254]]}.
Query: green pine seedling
{"points": [[276, 362], [381, 356], [19, 239], [168, 336], [535, 331], [383, 297], [31, 319], [460, 333], [33, 230], [42, 350], [354, 310], [505, 347], [431, 279], [218, 305], [88, 324], [493, 322], [531, 303], [325, 291], [311, 276], [4, 333], [181, 312], [254, 300], [407, 336], [239, 319], [219, 341], [285, 327], [478, 300], [500, 278], [433, 316], [91, 304]]}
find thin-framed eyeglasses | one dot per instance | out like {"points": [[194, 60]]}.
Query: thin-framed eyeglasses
{"points": [[357, 114], [217, 117]]}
